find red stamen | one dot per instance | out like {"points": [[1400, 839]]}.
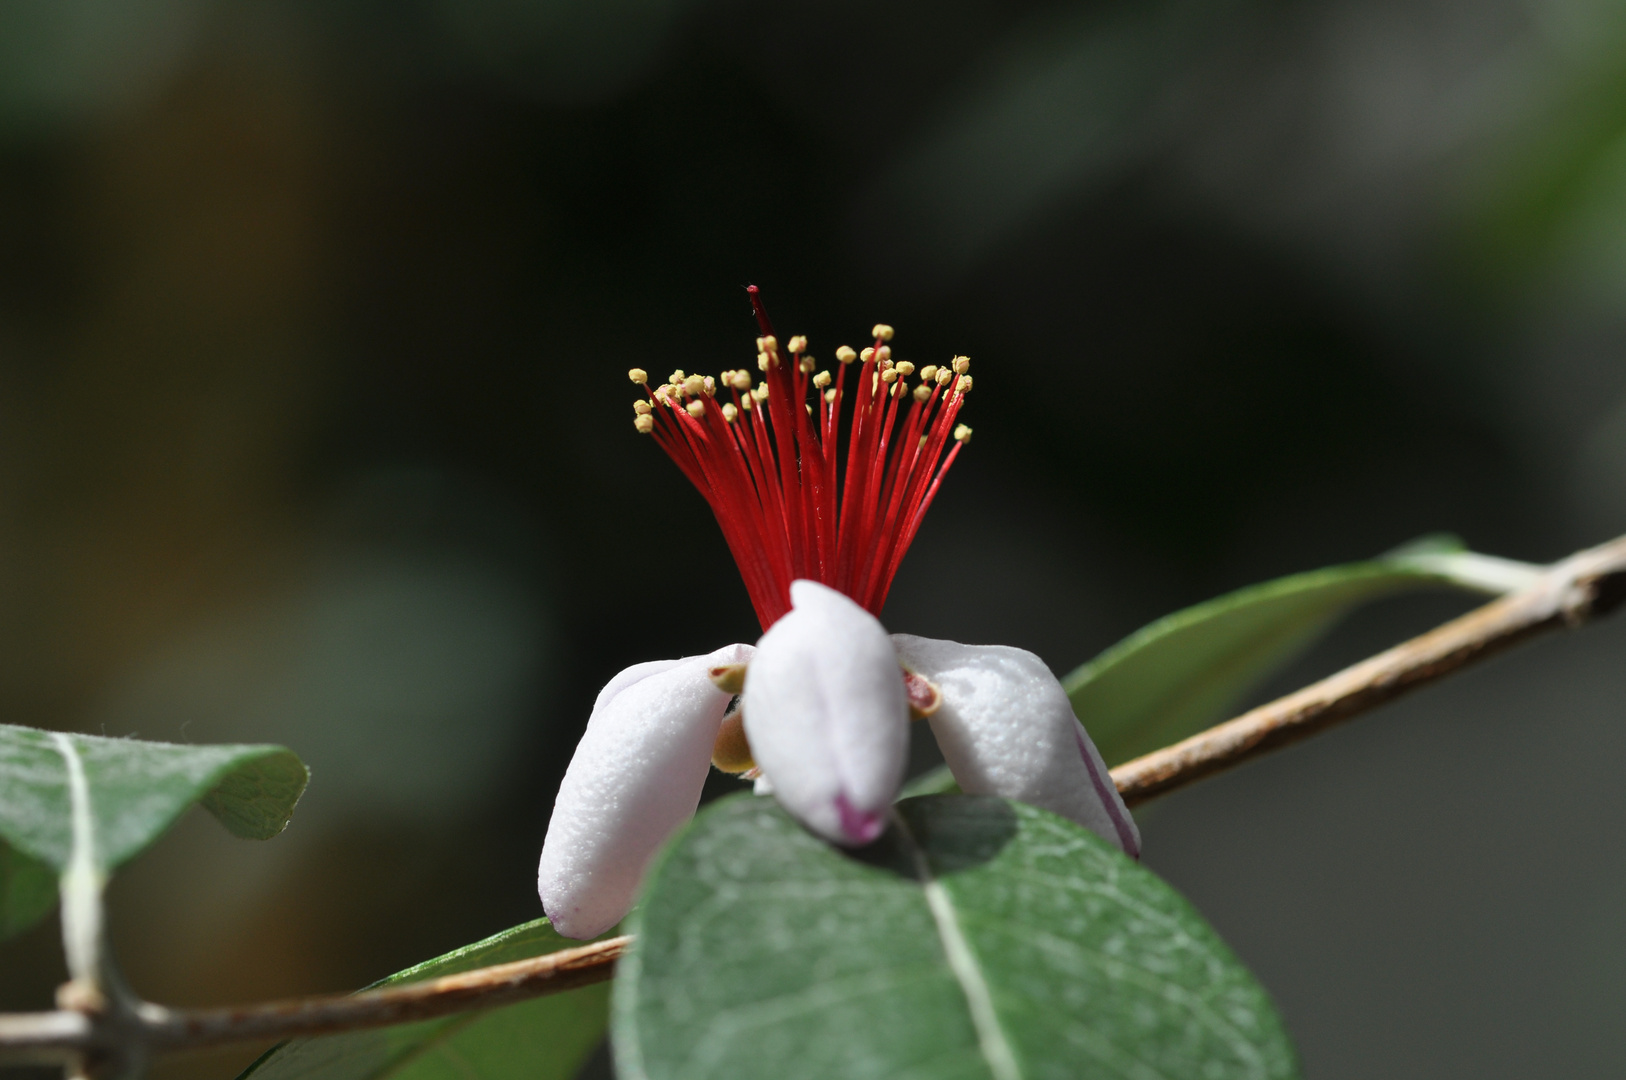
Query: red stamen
{"points": [[767, 464]]}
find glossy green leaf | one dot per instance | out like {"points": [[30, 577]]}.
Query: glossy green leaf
{"points": [[545, 1039], [27, 891], [977, 939], [96, 802], [1186, 671]]}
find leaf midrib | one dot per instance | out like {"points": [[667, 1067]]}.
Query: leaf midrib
{"points": [[992, 1041]]}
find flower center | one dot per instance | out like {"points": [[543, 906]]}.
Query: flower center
{"points": [[768, 460]]}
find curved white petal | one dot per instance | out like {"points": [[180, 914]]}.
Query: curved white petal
{"points": [[1006, 728], [826, 715], [635, 777]]}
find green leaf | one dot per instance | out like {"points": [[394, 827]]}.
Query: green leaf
{"points": [[134, 790], [27, 891], [89, 804], [978, 939], [1186, 671], [544, 1039]]}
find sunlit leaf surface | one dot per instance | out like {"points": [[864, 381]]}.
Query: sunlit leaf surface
{"points": [[978, 938]]}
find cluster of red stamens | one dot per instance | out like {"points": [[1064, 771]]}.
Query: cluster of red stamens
{"points": [[767, 461]]}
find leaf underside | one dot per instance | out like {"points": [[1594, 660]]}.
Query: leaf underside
{"points": [[547, 1038], [978, 939]]}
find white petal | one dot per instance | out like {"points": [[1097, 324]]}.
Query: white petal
{"points": [[635, 777], [826, 715], [1006, 728]]}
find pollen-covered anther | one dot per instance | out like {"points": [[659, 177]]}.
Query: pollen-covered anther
{"points": [[710, 386], [884, 353], [730, 413], [846, 355], [904, 367], [677, 377], [760, 392], [731, 753], [729, 678], [642, 408], [943, 376], [696, 409], [644, 423], [821, 380], [807, 364], [922, 392], [924, 696], [881, 332], [928, 373], [830, 395], [963, 385], [798, 344], [962, 433], [739, 380], [748, 403], [961, 365], [889, 376], [763, 361], [768, 344], [638, 375], [867, 355], [694, 385]]}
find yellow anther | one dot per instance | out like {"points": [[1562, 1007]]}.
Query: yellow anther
{"points": [[962, 364], [697, 409], [798, 344], [662, 392], [763, 360], [821, 380], [963, 386], [884, 353], [693, 385], [710, 386], [740, 380], [922, 443], [889, 376], [922, 392], [904, 367], [809, 408], [867, 355], [748, 403], [644, 423], [642, 407], [638, 375], [769, 344], [899, 387], [928, 373], [677, 377], [730, 412], [760, 392], [807, 364], [729, 678], [962, 433], [731, 753], [944, 375], [881, 331], [846, 355], [830, 395]]}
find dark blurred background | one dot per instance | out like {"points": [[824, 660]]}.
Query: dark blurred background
{"points": [[314, 428]]}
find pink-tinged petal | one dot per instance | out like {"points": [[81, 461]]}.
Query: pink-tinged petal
{"points": [[826, 714], [635, 778], [1006, 728]]}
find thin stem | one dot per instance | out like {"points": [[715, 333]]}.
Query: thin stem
{"points": [[1584, 587]]}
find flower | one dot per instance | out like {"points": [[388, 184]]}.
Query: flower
{"points": [[818, 712]]}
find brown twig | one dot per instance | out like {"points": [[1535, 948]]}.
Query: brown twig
{"points": [[1570, 593], [55, 1036]]}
